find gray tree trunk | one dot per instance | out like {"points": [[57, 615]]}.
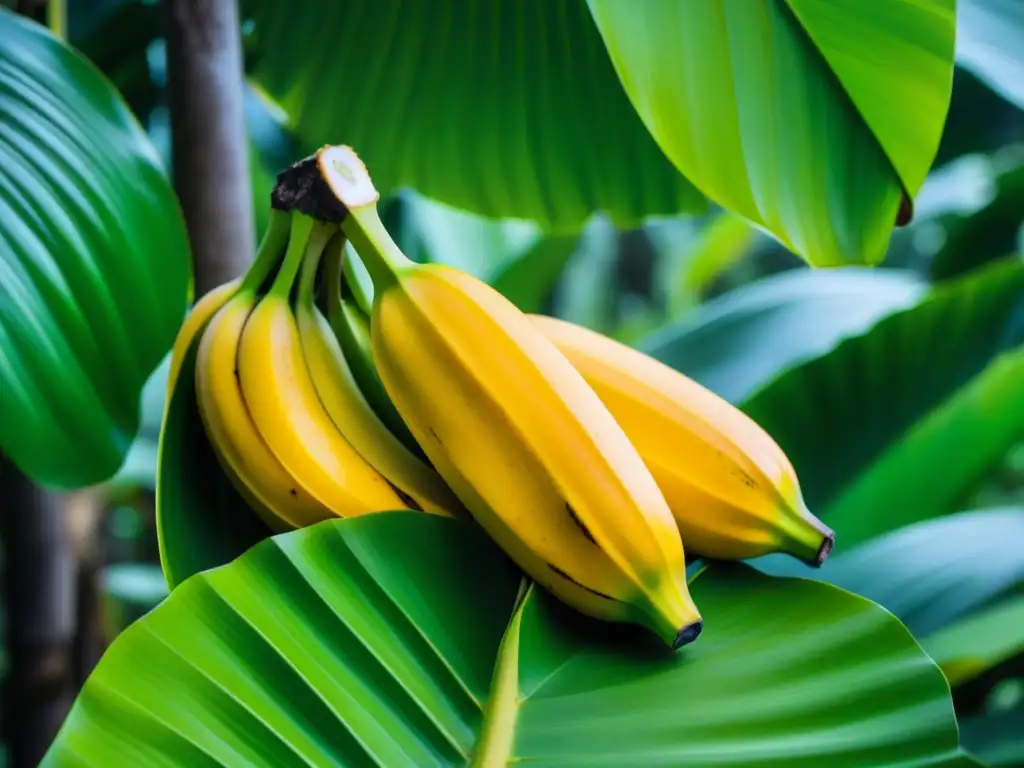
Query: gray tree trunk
{"points": [[209, 145]]}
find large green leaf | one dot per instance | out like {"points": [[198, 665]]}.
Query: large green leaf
{"points": [[202, 521], [811, 118], [373, 641], [929, 574], [838, 414], [979, 642], [902, 485], [94, 262], [988, 43], [737, 342], [506, 108]]}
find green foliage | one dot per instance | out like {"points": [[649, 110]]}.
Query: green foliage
{"points": [[378, 638], [351, 642], [740, 341], [94, 262], [779, 89], [931, 573], [489, 120], [838, 414]]}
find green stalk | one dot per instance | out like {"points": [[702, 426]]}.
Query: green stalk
{"points": [[347, 178], [334, 254], [308, 238], [274, 240], [380, 254], [307, 279]]}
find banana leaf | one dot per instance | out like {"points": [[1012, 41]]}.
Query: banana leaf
{"points": [[842, 416], [932, 574], [509, 108], [406, 639], [738, 342], [94, 262], [814, 119]]}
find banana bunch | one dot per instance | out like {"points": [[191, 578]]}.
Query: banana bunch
{"points": [[278, 400], [591, 464]]}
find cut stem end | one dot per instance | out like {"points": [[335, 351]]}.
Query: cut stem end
{"points": [[688, 634]]}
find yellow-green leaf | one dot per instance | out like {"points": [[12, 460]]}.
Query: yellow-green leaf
{"points": [[811, 118]]}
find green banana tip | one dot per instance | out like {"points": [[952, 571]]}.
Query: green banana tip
{"points": [[688, 634]]}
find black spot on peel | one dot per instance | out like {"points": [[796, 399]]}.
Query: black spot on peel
{"points": [[746, 479], [567, 577], [293, 492], [579, 523]]}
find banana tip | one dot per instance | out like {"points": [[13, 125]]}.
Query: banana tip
{"points": [[825, 550], [688, 634]]}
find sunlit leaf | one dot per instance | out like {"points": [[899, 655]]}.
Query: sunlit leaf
{"points": [[811, 118], [352, 642]]}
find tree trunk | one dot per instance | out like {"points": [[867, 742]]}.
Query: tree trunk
{"points": [[39, 596], [209, 144]]}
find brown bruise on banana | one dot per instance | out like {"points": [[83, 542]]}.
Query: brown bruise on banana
{"points": [[570, 579], [579, 524]]}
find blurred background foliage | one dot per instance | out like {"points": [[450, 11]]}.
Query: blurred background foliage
{"points": [[896, 390]]}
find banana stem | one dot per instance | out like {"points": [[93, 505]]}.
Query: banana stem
{"points": [[379, 252], [307, 278], [307, 240], [334, 255], [274, 240], [348, 179]]}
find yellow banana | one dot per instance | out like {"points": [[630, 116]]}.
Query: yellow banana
{"points": [[352, 330], [351, 413], [516, 431], [195, 322], [283, 402], [245, 457], [732, 490]]}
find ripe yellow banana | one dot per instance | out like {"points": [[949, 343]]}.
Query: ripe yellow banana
{"points": [[732, 490], [516, 431], [352, 330], [352, 414], [283, 402], [246, 459], [197, 320]]}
